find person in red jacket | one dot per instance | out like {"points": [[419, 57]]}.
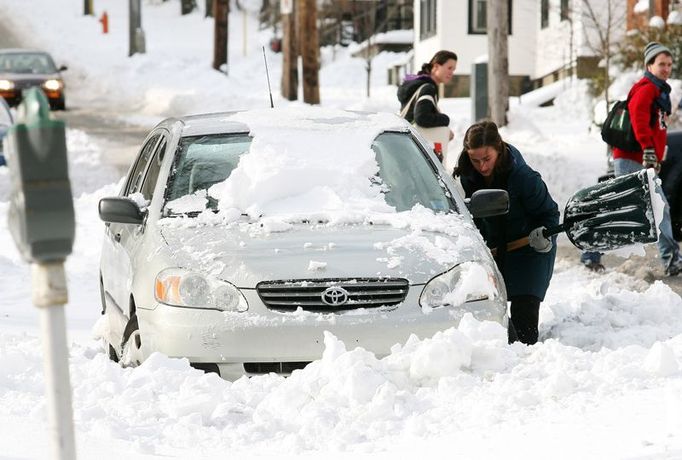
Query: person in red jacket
{"points": [[649, 106]]}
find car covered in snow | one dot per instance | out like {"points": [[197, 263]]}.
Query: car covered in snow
{"points": [[21, 69], [238, 239]]}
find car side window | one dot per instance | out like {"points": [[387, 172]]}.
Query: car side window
{"points": [[408, 178], [153, 170], [136, 177]]}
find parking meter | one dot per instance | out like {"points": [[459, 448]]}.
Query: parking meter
{"points": [[41, 221], [41, 216]]}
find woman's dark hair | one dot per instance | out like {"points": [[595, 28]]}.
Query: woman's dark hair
{"points": [[483, 134], [441, 57]]}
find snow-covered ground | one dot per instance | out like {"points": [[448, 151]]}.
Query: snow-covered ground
{"points": [[605, 382]]}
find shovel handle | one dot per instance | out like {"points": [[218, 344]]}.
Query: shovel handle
{"points": [[521, 242]]}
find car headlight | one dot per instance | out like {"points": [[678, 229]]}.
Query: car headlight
{"points": [[184, 288], [53, 84], [467, 282], [6, 85]]}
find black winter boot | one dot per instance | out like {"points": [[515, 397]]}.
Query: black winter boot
{"points": [[525, 311]]}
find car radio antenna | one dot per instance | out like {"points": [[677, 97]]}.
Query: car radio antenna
{"points": [[267, 75]]}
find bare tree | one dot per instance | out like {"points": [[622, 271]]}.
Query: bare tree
{"points": [[604, 19]]}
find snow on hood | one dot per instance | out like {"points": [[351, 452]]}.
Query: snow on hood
{"points": [[415, 245]]}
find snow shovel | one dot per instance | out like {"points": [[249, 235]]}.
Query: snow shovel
{"points": [[612, 214]]}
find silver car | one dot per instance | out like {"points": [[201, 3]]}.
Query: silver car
{"points": [[235, 295]]}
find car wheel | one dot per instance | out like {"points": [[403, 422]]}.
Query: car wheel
{"points": [[511, 333], [60, 104], [107, 346], [112, 352], [676, 212], [131, 351]]}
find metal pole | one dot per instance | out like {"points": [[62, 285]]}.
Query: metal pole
{"points": [[246, 32], [50, 295]]}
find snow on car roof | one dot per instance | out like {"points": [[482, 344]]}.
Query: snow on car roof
{"points": [[290, 118], [307, 159]]}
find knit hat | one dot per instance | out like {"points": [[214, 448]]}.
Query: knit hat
{"points": [[652, 50]]}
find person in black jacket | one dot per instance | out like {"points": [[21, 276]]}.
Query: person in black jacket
{"points": [[422, 110], [487, 162]]}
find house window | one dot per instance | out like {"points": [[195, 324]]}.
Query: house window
{"points": [[544, 14], [427, 18], [478, 13], [565, 10], [477, 17]]}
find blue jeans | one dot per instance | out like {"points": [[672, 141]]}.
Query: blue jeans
{"points": [[668, 248]]}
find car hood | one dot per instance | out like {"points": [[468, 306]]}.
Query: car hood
{"points": [[245, 257], [27, 79]]}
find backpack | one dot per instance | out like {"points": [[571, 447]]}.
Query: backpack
{"points": [[617, 128]]}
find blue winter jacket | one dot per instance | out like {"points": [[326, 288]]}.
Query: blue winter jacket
{"points": [[525, 271]]}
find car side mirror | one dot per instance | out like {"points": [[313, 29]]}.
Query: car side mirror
{"points": [[488, 203], [63, 68], [121, 211]]}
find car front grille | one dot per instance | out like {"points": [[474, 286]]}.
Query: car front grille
{"points": [[25, 84], [332, 295]]}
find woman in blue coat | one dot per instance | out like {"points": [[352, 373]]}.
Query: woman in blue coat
{"points": [[487, 162]]}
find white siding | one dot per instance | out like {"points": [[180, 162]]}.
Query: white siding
{"points": [[533, 51], [554, 42], [452, 34]]}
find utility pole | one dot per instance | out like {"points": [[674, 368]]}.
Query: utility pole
{"points": [[307, 28], [221, 11], [289, 51], [370, 23], [498, 62], [136, 41]]}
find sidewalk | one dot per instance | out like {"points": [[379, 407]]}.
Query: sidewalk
{"points": [[647, 268]]}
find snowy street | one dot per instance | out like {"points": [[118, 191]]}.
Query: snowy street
{"points": [[605, 380]]}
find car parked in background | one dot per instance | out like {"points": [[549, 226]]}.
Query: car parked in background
{"points": [[238, 289], [6, 120], [671, 180], [21, 69]]}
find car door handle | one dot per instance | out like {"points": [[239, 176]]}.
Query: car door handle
{"points": [[117, 237]]}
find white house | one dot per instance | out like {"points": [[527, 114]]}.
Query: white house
{"points": [[547, 37]]}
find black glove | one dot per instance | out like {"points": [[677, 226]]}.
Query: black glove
{"points": [[649, 160], [538, 241]]}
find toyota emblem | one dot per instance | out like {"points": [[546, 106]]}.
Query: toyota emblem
{"points": [[335, 296]]}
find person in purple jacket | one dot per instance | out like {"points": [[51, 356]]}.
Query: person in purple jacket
{"points": [[422, 111]]}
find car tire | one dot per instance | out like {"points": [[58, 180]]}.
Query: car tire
{"points": [[511, 332], [107, 346], [675, 203], [112, 352], [60, 104], [131, 354]]}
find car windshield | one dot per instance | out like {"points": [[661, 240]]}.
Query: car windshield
{"points": [[406, 176], [202, 161], [36, 63]]}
